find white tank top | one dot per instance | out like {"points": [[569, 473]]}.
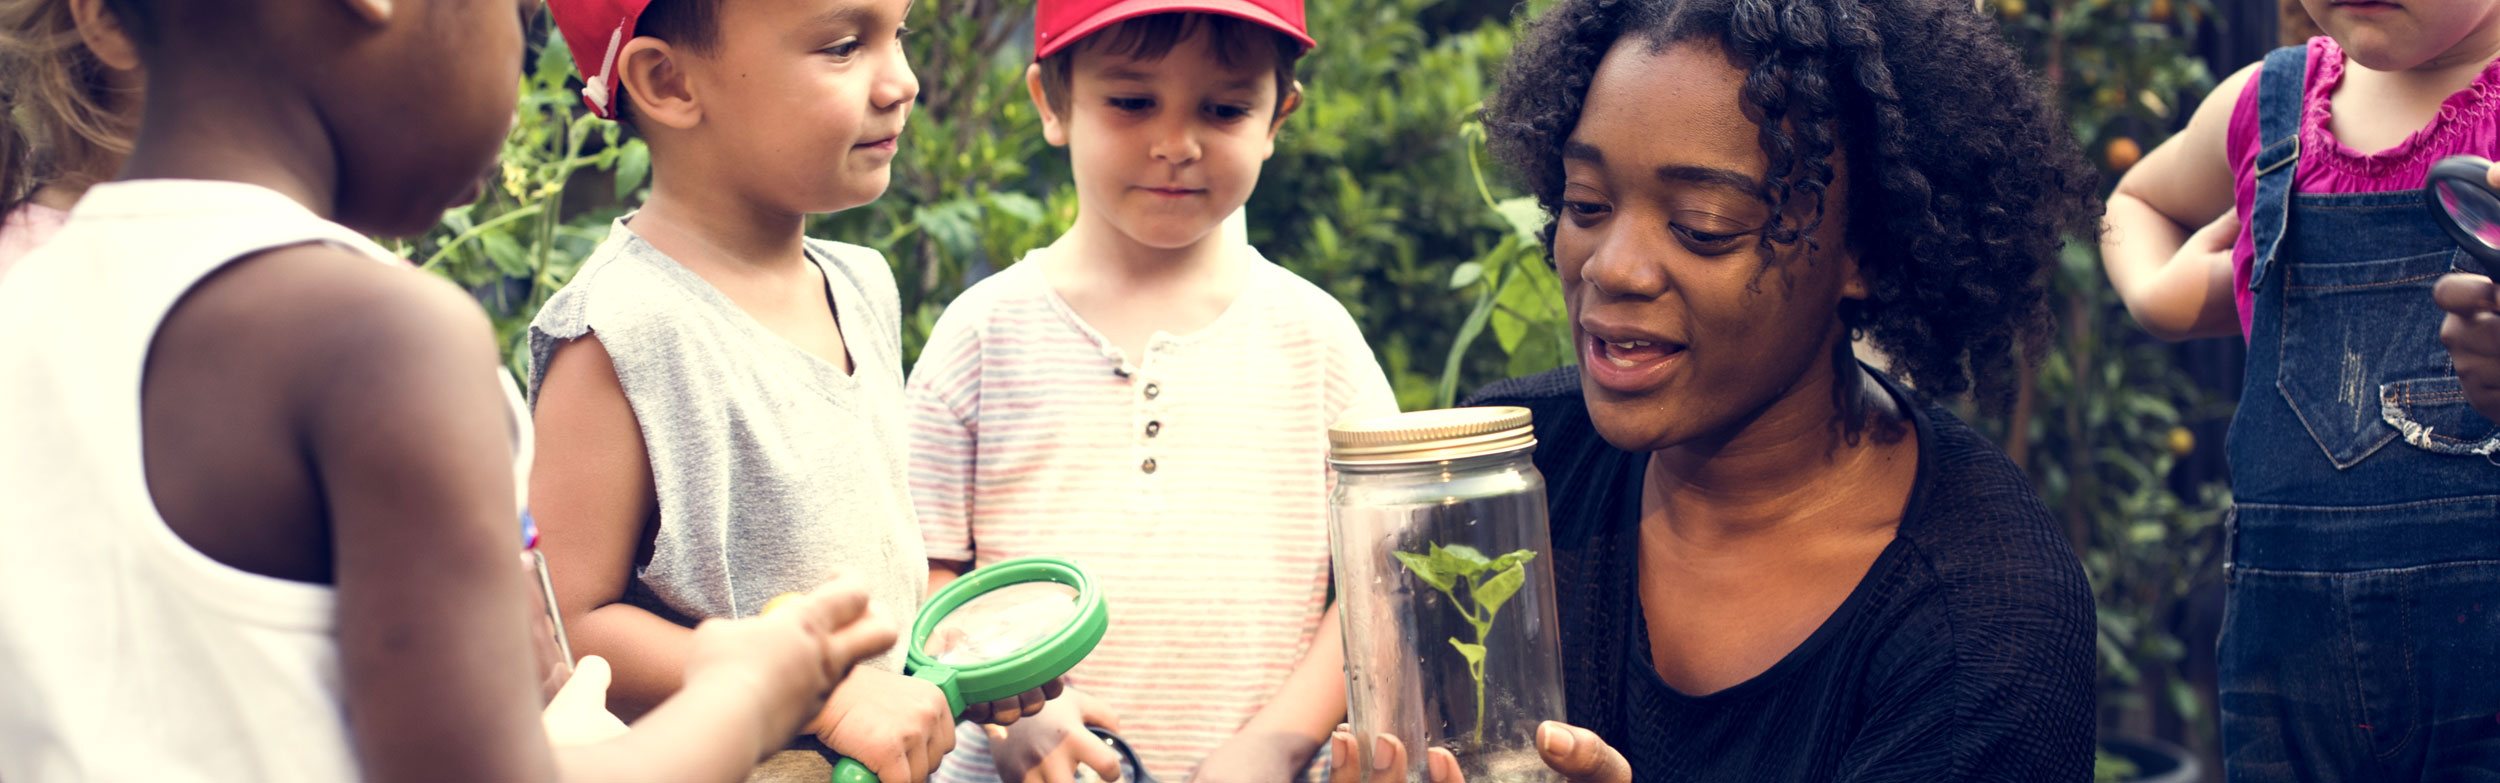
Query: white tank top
{"points": [[124, 653]]}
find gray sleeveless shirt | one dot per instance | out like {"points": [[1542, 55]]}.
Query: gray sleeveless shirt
{"points": [[773, 467]]}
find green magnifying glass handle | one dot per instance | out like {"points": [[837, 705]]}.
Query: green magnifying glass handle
{"points": [[849, 770], [991, 679]]}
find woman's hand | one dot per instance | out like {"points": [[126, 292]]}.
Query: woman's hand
{"points": [[2472, 334], [1575, 752]]}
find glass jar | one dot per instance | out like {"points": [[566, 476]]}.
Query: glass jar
{"points": [[1445, 585]]}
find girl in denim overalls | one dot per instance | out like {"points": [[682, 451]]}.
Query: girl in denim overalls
{"points": [[2362, 635]]}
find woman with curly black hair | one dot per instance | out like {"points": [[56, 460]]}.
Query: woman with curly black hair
{"points": [[1775, 563]]}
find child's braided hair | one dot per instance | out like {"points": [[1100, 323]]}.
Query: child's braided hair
{"points": [[1967, 181]]}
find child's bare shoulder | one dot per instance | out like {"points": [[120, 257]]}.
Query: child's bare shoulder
{"points": [[319, 312], [2228, 93], [1310, 302]]}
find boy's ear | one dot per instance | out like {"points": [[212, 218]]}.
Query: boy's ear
{"points": [[1285, 106], [653, 76], [102, 32], [1054, 127]]}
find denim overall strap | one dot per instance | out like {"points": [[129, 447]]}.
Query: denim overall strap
{"points": [[2280, 86]]}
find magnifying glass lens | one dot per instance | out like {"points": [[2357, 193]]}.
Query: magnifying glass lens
{"points": [[1001, 623], [2474, 210]]}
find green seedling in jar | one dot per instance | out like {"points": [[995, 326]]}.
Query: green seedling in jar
{"points": [[1477, 586]]}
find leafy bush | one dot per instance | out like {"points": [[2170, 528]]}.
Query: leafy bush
{"points": [[2106, 419]]}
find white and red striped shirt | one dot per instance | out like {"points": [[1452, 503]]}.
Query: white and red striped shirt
{"points": [[1191, 483]]}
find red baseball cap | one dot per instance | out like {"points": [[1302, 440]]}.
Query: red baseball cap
{"points": [[1057, 23], [596, 31]]}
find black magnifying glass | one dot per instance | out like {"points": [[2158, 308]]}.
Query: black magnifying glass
{"points": [[2462, 201]]}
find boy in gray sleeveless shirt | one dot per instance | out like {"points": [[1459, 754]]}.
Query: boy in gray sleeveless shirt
{"points": [[718, 399]]}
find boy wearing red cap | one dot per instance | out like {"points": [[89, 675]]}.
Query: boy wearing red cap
{"points": [[718, 399], [1151, 399]]}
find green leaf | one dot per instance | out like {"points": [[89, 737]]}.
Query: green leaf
{"points": [[1324, 237], [1512, 559], [950, 224], [2146, 533], [1498, 590], [507, 254], [1466, 274], [2109, 767], [555, 59], [1425, 568], [1460, 560], [1017, 205], [1544, 348], [1473, 652], [1445, 392], [1523, 215], [1508, 327], [632, 166]]}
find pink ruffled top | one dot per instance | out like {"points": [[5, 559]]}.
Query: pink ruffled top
{"points": [[2468, 123]]}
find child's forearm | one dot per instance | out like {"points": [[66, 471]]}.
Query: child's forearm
{"points": [[647, 652], [2137, 242], [713, 731], [2175, 295], [945, 572], [1313, 699]]}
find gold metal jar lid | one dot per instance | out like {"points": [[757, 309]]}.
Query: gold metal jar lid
{"points": [[1430, 436]]}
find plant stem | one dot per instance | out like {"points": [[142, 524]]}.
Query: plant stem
{"points": [[474, 232], [1476, 669]]}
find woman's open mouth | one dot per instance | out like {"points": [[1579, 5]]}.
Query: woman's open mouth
{"points": [[1629, 364]]}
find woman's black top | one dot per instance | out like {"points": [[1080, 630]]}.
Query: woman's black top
{"points": [[1966, 653]]}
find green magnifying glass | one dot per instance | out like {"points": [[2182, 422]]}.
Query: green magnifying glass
{"points": [[1003, 629]]}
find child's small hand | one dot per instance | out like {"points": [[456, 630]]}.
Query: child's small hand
{"points": [[1048, 747], [1263, 757], [579, 714], [2212, 244], [900, 727], [792, 657], [1005, 712], [2472, 333]]}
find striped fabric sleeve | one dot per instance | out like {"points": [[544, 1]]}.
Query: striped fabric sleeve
{"points": [[1357, 388], [943, 401]]}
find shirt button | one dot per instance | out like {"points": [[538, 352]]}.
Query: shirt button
{"points": [[1153, 391], [1154, 428], [1148, 466]]}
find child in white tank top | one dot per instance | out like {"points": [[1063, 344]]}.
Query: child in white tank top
{"points": [[261, 498]]}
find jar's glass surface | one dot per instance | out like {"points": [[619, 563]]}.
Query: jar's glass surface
{"points": [[1445, 584]]}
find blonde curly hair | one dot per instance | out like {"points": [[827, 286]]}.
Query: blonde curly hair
{"points": [[65, 124]]}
